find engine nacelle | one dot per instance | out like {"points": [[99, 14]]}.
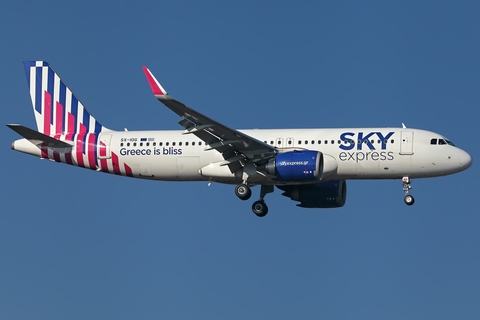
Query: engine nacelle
{"points": [[328, 194], [298, 165]]}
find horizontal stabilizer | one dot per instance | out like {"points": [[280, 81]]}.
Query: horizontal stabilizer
{"points": [[38, 138]]}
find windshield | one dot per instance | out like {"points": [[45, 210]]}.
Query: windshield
{"points": [[441, 142], [449, 142]]}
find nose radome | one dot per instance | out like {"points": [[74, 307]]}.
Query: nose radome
{"points": [[465, 160]]}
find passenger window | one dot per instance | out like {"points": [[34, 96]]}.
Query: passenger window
{"points": [[141, 144], [326, 141], [180, 144], [313, 141], [279, 142], [319, 141], [166, 143], [186, 143], [306, 141], [271, 142], [199, 143], [339, 141], [128, 144], [289, 141], [154, 144], [392, 141], [160, 144], [173, 143], [121, 144], [148, 143], [134, 144], [299, 142], [193, 143]]}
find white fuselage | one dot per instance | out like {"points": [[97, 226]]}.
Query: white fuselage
{"points": [[366, 153]]}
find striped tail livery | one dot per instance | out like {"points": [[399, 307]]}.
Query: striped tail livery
{"points": [[57, 111], [66, 131]]}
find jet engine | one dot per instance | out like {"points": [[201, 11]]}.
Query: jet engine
{"points": [[298, 165]]}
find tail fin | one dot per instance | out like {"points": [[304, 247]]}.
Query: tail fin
{"points": [[57, 110]]}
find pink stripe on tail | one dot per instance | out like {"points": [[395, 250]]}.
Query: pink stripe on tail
{"points": [[47, 112], [71, 124], [58, 118]]}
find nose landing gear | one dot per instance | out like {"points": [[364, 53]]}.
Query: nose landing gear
{"points": [[409, 199]]}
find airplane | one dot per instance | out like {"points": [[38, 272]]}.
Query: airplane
{"points": [[310, 166]]}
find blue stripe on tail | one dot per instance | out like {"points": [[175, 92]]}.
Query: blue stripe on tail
{"points": [[57, 91]]}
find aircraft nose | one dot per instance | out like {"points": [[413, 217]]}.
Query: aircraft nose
{"points": [[465, 160]]}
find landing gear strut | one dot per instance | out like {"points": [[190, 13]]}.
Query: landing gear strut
{"points": [[409, 199]]}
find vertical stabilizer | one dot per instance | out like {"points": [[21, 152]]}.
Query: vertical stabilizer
{"points": [[57, 110]]}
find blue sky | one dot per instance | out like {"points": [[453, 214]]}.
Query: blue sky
{"points": [[76, 244]]}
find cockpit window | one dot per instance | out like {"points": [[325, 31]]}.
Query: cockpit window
{"points": [[441, 142]]}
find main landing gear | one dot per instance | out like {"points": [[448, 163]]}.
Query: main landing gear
{"points": [[409, 199], [243, 192], [259, 207]]}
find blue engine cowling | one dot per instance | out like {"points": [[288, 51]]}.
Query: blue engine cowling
{"points": [[328, 194], [298, 165]]}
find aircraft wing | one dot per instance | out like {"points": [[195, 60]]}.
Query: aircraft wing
{"points": [[233, 144]]}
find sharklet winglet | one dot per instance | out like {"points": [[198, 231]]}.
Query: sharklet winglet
{"points": [[156, 87]]}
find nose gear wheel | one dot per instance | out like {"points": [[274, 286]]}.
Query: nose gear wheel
{"points": [[409, 199]]}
